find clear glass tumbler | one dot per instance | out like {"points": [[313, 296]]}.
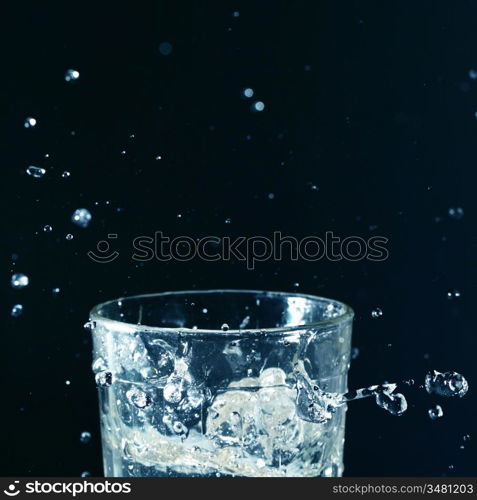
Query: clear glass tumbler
{"points": [[222, 383]]}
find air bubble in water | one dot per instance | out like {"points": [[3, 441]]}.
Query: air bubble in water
{"points": [[19, 280], [29, 122], [395, 404], [224, 327], [17, 310], [47, 228], [248, 92], [435, 412], [376, 313], [71, 75], [456, 212], [36, 172], [139, 398], [85, 437], [81, 217], [447, 384], [104, 378]]}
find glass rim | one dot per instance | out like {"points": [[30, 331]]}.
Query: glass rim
{"points": [[346, 315]]}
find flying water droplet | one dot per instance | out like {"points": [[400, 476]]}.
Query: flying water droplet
{"points": [[86, 474], [47, 228], [69, 236], [36, 172], [453, 294], [165, 48], [435, 412], [354, 352], [19, 280], [29, 122], [55, 291], [228, 220], [71, 75], [65, 174], [85, 437], [224, 327], [258, 106], [473, 74], [104, 378], [456, 213], [395, 404], [447, 384], [17, 310], [248, 92], [376, 313], [89, 325], [139, 398], [81, 217]]}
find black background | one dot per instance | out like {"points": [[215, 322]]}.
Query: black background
{"points": [[371, 101]]}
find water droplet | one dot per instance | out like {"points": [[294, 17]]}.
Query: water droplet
{"points": [[69, 236], [85, 474], [224, 327], [354, 353], [307, 67], [435, 412], [236, 13], [451, 467], [47, 228], [85, 437], [165, 48], [19, 280], [205, 310], [104, 378], [67, 382], [472, 74], [258, 106], [71, 75], [466, 437], [55, 291], [29, 122], [158, 157], [271, 196], [228, 220], [139, 398], [65, 174], [248, 92], [313, 187], [453, 294], [456, 213], [81, 217], [447, 384], [17, 310], [36, 172], [89, 325], [395, 404], [376, 313]]}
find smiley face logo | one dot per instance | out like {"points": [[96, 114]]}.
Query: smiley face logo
{"points": [[12, 490]]}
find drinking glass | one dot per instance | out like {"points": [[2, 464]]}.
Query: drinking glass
{"points": [[222, 383]]}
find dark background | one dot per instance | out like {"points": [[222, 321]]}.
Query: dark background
{"points": [[371, 101]]}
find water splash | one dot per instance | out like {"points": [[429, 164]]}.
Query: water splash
{"points": [[104, 378]]}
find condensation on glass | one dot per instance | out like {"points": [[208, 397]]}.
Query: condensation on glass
{"points": [[207, 383]]}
